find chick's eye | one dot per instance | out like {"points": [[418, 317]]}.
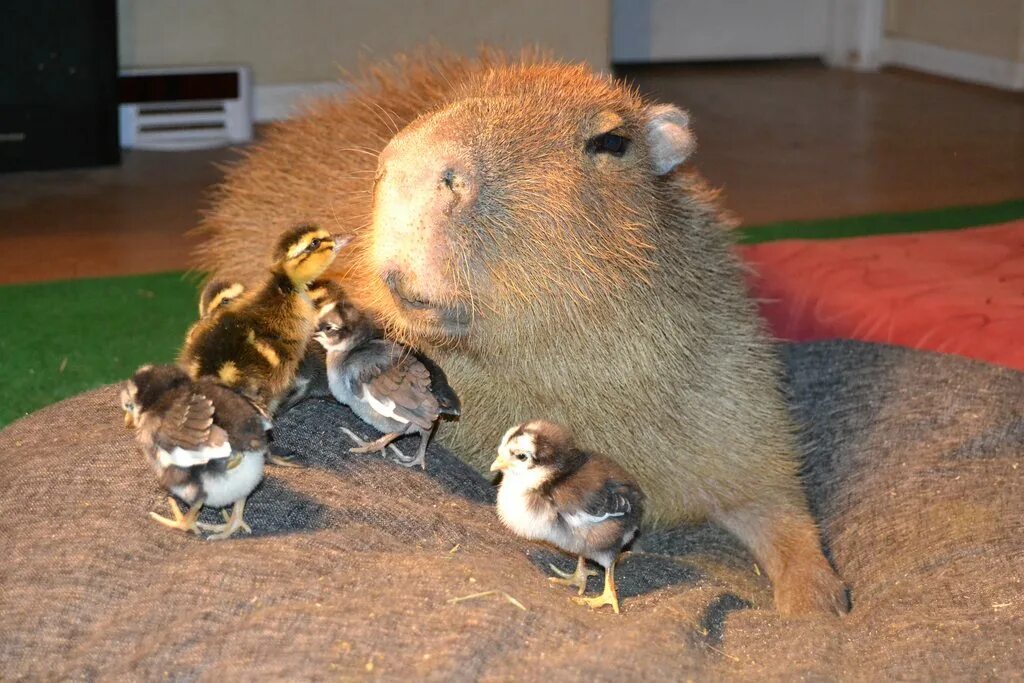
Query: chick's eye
{"points": [[608, 143], [521, 457]]}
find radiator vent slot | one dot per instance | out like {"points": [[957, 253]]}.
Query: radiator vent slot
{"points": [[161, 109]]}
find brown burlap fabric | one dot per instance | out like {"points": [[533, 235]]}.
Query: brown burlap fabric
{"points": [[916, 471]]}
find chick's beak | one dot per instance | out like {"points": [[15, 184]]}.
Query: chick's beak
{"points": [[129, 420], [499, 464]]}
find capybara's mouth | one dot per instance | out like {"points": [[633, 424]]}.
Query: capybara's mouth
{"points": [[453, 319]]}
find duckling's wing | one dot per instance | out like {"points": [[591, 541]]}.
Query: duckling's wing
{"points": [[404, 389], [185, 434]]}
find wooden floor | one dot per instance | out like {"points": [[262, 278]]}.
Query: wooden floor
{"points": [[783, 140]]}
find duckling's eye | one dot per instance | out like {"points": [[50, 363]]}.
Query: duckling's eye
{"points": [[314, 244], [608, 143], [522, 457]]}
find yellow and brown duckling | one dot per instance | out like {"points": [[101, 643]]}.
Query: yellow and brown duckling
{"points": [[205, 442], [311, 378], [217, 294], [256, 341]]}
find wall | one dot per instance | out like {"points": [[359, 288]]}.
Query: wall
{"points": [[304, 41], [981, 41], [993, 28], [682, 30]]}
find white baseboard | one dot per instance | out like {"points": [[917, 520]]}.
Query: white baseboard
{"points": [[276, 102], [967, 66]]}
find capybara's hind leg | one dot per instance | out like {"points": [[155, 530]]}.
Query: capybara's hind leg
{"points": [[785, 541]]}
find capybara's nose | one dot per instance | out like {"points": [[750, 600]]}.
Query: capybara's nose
{"points": [[429, 170], [428, 181], [423, 199]]}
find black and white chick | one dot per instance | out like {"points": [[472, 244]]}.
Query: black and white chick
{"points": [[205, 442], [581, 502], [390, 387]]}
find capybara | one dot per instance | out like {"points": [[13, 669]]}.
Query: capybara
{"points": [[532, 226]]}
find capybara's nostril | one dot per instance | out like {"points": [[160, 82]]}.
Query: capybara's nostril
{"points": [[448, 178], [455, 181]]}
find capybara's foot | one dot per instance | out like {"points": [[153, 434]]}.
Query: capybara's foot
{"points": [[810, 587], [786, 542]]}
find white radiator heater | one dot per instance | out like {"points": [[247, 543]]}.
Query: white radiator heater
{"points": [[182, 108]]}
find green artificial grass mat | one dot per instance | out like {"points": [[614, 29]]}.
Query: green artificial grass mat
{"points": [[61, 338], [955, 218]]}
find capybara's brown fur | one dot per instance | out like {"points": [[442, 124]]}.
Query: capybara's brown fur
{"points": [[554, 273]]}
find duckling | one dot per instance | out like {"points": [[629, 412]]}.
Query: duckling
{"points": [[392, 388], [581, 502], [217, 294], [256, 342], [311, 378], [205, 442]]}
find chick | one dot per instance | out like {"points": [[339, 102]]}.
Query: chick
{"points": [[255, 343], [581, 502], [388, 386], [205, 442]]}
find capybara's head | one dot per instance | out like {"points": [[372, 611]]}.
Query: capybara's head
{"points": [[533, 188]]}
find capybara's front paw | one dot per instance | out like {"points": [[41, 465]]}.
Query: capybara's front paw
{"points": [[811, 588]]}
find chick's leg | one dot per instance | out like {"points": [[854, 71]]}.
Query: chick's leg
{"points": [[421, 453], [232, 523], [185, 522], [283, 461], [376, 446], [577, 579], [275, 459], [608, 597]]}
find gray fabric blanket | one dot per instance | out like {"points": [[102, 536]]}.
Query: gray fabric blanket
{"points": [[359, 568]]}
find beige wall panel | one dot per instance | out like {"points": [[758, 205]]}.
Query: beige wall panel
{"points": [[994, 28], [300, 41]]}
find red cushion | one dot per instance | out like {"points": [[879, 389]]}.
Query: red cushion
{"points": [[958, 291]]}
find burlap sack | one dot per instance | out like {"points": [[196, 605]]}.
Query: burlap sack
{"points": [[360, 568]]}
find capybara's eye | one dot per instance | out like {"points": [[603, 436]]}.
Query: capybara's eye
{"points": [[608, 143]]}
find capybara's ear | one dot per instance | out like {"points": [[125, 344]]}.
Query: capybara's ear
{"points": [[669, 137]]}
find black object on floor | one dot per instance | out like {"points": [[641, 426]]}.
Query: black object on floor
{"points": [[58, 84]]}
